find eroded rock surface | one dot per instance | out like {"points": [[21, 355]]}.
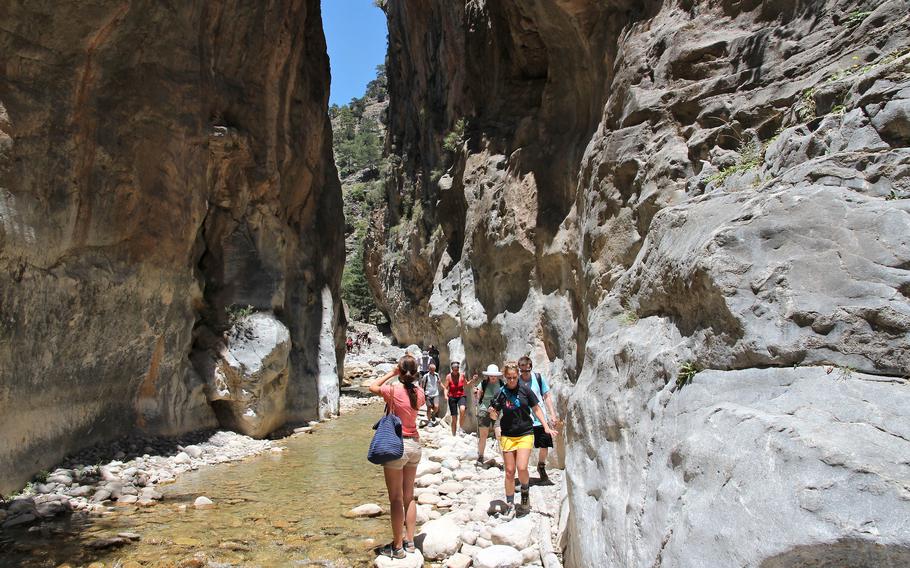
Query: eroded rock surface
{"points": [[160, 167], [249, 379], [633, 192]]}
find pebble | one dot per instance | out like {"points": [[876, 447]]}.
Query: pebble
{"points": [[105, 543], [101, 495], [428, 480], [498, 556], [19, 520], [451, 488], [366, 510], [203, 502], [235, 546], [530, 554], [428, 467], [61, 479], [412, 560], [458, 560], [441, 538], [428, 499], [516, 533], [193, 451], [150, 493], [81, 491]]}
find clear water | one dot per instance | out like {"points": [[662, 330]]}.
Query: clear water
{"points": [[272, 510]]}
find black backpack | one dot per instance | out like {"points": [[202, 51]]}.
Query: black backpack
{"points": [[483, 389]]}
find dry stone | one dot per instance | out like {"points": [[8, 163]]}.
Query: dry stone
{"points": [[698, 185]]}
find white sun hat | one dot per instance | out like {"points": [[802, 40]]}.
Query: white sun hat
{"points": [[492, 371]]}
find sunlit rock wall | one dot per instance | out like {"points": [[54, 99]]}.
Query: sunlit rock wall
{"points": [[649, 194], [162, 166]]}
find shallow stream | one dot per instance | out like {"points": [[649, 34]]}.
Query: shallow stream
{"points": [[272, 510]]}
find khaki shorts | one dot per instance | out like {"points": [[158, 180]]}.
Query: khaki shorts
{"points": [[410, 458]]}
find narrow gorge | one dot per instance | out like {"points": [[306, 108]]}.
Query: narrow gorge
{"points": [[694, 215]]}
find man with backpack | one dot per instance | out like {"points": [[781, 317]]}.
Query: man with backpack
{"points": [[423, 362], [485, 392], [539, 386], [429, 382]]}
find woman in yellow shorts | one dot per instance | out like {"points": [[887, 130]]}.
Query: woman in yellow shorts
{"points": [[515, 402]]}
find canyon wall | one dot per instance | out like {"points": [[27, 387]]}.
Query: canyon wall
{"points": [[166, 187], [695, 216]]}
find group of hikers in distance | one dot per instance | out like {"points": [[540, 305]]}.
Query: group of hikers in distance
{"points": [[515, 403]]}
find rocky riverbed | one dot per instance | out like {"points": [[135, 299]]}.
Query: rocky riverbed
{"points": [[127, 472], [459, 523]]}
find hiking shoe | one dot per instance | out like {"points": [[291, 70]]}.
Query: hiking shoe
{"points": [[392, 552], [408, 546], [480, 463], [524, 507], [542, 472]]}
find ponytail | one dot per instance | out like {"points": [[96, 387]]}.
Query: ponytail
{"points": [[408, 376]]}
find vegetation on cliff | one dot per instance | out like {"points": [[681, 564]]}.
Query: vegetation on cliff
{"points": [[358, 139]]}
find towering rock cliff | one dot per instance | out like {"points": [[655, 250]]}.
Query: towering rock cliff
{"points": [[696, 217], [165, 173]]}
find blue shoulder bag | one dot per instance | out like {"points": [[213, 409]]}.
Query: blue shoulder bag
{"points": [[387, 444]]}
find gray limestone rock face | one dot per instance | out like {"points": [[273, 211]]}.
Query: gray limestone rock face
{"points": [[630, 192], [160, 166], [248, 383]]}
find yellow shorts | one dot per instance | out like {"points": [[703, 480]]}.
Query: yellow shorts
{"points": [[510, 444]]}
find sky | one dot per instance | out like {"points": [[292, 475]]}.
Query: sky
{"points": [[355, 31]]}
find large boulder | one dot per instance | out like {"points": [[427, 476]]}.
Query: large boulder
{"points": [[439, 538], [249, 380]]}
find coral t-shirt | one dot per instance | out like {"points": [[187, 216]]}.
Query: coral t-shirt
{"points": [[396, 396]]}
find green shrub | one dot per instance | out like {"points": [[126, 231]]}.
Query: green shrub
{"points": [[856, 17], [687, 372], [455, 138], [750, 157], [628, 317], [237, 314]]}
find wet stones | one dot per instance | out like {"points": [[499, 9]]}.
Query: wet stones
{"points": [[202, 503], [365, 510]]}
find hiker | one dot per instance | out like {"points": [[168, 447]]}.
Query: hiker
{"points": [[424, 362], [514, 404], [485, 393], [454, 388], [434, 353], [539, 386], [403, 400], [429, 382], [349, 344]]}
